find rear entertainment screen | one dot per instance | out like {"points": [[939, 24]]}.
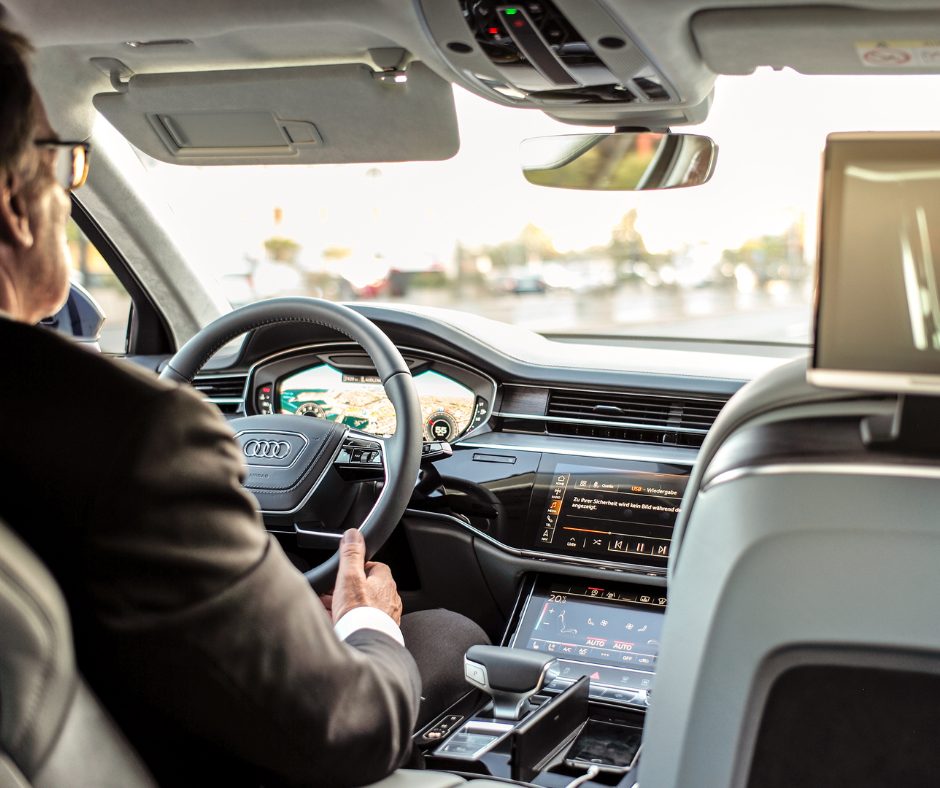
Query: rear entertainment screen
{"points": [[621, 514], [878, 304]]}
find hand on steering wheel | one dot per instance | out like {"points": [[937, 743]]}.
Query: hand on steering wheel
{"points": [[293, 462], [361, 583]]}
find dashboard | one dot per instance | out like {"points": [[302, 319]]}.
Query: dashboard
{"points": [[589, 477], [555, 511]]}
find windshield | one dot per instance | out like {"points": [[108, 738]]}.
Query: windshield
{"points": [[730, 260]]}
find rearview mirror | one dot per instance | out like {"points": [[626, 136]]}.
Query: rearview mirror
{"points": [[625, 161]]}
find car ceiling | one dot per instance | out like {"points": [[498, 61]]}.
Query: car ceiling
{"points": [[230, 34]]}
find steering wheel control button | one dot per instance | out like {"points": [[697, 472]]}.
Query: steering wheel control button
{"points": [[265, 398], [476, 674], [357, 452]]}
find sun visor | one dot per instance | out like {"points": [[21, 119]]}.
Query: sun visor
{"points": [[819, 40], [308, 115]]}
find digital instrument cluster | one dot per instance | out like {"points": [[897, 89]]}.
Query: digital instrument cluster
{"points": [[340, 386]]}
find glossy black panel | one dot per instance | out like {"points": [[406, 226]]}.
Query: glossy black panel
{"points": [[489, 488]]}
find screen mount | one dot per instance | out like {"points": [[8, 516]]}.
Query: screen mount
{"points": [[914, 427]]}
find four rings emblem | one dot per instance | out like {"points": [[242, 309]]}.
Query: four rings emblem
{"points": [[274, 450]]}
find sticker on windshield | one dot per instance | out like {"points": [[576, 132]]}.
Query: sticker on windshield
{"points": [[898, 54]]}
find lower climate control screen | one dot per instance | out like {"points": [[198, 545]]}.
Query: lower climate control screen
{"points": [[618, 514], [611, 635]]}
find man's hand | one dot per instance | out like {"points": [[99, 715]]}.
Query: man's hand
{"points": [[361, 584]]}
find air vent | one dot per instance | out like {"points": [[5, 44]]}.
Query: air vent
{"points": [[647, 418], [226, 391]]}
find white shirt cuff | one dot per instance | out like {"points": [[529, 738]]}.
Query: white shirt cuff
{"points": [[368, 618]]}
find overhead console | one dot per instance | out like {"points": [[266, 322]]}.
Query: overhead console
{"points": [[570, 59]]}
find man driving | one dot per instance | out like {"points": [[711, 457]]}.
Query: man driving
{"points": [[211, 650]]}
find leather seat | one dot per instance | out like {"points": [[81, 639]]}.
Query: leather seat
{"points": [[53, 731], [801, 645]]}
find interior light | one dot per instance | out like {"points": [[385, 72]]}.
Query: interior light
{"points": [[401, 78]]}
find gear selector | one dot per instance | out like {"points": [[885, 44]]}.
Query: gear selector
{"points": [[510, 676]]}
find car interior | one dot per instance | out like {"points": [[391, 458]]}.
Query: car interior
{"points": [[778, 625]]}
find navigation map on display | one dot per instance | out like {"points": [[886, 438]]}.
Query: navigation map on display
{"points": [[590, 629], [611, 512], [359, 401]]}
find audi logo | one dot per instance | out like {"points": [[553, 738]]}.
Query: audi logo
{"points": [[272, 450]]}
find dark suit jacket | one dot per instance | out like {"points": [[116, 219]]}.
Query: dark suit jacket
{"points": [[189, 619]]}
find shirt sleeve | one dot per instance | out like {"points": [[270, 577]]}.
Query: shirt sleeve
{"points": [[368, 618]]}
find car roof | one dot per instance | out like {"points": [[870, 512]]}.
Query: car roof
{"points": [[683, 43]]}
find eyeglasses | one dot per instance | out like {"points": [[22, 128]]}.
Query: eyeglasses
{"points": [[71, 163]]}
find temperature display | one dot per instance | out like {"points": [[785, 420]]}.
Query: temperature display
{"points": [[610, 635]]}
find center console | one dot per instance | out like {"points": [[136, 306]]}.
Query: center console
{"points": [[584, 658]]}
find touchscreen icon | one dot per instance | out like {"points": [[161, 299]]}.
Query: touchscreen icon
{"points": [[561, 623]]}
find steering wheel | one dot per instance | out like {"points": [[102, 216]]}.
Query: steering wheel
{"points": [[297, 466]]}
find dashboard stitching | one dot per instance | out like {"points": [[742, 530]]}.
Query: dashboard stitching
{"points": [[561, 366]]}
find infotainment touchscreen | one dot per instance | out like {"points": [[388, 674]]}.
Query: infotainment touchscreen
{"points": [[611, 635], [620, 514]]}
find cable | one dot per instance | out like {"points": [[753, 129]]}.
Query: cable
{"points": [[590, 774]]}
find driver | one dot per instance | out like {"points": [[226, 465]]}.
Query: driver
{"points": [[211, 650]]}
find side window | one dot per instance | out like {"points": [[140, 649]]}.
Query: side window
{"points": [[90, 270]]}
